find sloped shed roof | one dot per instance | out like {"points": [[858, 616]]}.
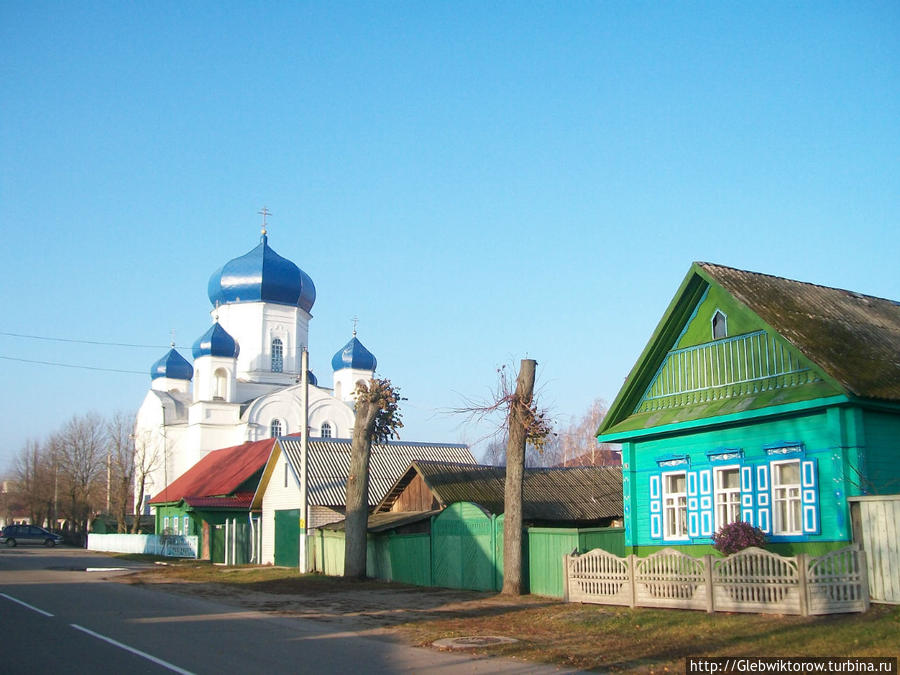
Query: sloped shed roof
{"points": [[329, 464], [855, 338], [548, 494], [220, 473]]}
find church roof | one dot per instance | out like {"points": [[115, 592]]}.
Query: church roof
{"points": [[172, 365], [262, 276], [354, 355], [216, 342], [219, 474]]}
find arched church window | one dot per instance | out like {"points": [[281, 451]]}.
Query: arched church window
{"points": [[277, 356], [275, 429], [326, 430], [719, 325], [221, 385]]}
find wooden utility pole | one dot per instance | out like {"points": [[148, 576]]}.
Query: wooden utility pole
{"points": [[518, 423]]}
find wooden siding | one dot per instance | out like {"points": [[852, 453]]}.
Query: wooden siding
{"points": [[815, 431], [277, 498], [877, 529], [416, 496], [882, 457]]}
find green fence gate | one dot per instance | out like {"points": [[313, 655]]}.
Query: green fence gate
{"points": [[287, 538], [462, 548]]}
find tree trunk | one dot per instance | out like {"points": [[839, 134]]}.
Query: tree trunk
{"points": [[357, 520], [515, 467]]}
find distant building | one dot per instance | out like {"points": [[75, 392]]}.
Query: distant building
{"points": [[244, 383]]}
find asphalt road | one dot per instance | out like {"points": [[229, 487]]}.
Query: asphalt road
{"points": [[58, 617]]}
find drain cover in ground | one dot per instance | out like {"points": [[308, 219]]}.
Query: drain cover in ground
{"points": [[473, 641]]}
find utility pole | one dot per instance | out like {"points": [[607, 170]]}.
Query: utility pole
{"points": [[304, 459]]}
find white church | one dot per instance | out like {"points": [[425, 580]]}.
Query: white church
{"points": [[244, 384]]}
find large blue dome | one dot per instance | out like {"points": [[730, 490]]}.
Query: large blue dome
{"points": [[172, 365], [262, 276], [354, 355], [216, 342]]}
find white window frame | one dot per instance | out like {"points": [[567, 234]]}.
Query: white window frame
{"points": [[787, 494], [186, 525], [673, 504], [277, 355], [165, 524], [731, 497], [326, 426], [276, 422]]}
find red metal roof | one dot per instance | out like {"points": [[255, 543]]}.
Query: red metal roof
{"points": [[220, 473]]}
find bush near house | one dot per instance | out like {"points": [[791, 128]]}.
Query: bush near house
{"points": [[735, 537]]}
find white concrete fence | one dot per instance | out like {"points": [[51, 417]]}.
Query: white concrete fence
{"points": [[170, 545], [753, 580]]}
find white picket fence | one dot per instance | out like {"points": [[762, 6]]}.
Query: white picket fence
{"points": [[753, 580], [170, 545]]}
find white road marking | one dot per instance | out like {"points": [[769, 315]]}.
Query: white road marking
{"points": [[138, 652], [25, 604]]}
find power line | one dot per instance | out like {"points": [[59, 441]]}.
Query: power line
{"points": [[85, 342], [70, 365]]}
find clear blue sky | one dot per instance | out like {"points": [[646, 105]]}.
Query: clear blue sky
{"points": [[477, 182]]}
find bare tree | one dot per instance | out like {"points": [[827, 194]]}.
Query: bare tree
{"points": [[82, 463], [377, 420], [148, 456], [121, 466], [577, 443]]}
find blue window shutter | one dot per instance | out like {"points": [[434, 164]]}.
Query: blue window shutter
{"points": [[809, 495], [748, 502], [706, 503], [763, 499], [655, 506], [693, 504]]}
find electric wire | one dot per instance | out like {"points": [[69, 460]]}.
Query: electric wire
{"points": [[84, 342], [71, 365]]}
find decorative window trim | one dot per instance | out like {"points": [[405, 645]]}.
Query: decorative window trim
{"points": [[729, 493], [788, 448], [787, 499], [725, 455], [673, 460]]}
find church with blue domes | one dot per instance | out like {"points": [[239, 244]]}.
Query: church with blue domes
{"points": [[244, 383]]}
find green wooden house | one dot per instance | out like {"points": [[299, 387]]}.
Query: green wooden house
{"points": [[758, 399], [216, 489]]}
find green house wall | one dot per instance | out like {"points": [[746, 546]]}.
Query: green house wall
{"points": [[880, 467]]}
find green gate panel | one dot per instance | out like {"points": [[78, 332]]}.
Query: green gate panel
{"points": [[546, 548], [333, 553], [217, 545], [410, 556], [462, 548], [287, 538], [610, 539]]}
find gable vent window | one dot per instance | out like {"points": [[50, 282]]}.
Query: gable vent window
{"points": [[719, 326], [277, 356]]}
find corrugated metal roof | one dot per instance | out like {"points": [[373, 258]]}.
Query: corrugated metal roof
{"points": [[329, 464], [221, 472], [548, 494], [855, 338]]}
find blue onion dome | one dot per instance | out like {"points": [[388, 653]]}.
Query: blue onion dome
{"points": [[216, 342], [354, 355], [312, 378], [173, 365], [262, 276]]}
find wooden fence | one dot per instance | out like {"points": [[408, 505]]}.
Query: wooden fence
{"points": [[753, 580]]}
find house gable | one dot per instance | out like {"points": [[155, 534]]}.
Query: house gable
{"points": [[686, 374]]}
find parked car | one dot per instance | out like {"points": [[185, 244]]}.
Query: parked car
{"points": [[13, 535]]}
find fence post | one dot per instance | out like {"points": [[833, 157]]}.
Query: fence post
{"points": [[708, 578], [633, 599], [565, 578], [804, 583], [863, 569]]}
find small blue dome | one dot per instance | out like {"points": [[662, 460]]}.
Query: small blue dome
{"points": [[312, 378], [354, 355], [173, 365], [216, 342], [262, 276]]}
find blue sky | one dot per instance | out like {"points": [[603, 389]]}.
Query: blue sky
{"points": [[477, 182]]}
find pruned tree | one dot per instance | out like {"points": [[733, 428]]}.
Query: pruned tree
{"points": [[377, 420], [524, 424]]}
